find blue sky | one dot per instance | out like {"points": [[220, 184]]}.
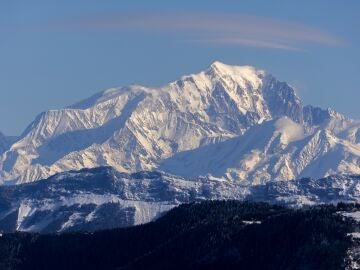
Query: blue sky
{"points": [[54, 53]]}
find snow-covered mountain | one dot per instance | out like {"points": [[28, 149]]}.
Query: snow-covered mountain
{"points": [[101, 198], [232, 122], [277, 149]]}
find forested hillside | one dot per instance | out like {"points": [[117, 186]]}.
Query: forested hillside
{"points": [[206, 235]]}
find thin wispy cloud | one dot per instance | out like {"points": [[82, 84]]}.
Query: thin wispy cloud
{"points": [[257, 43], [218, 29], [209, 28]]}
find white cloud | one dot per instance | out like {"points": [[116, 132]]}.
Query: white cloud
{"points": [[214, 28], [290, 131], [219, 29]]}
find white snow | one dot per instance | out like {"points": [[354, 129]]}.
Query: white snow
{"points": [[24, 211], [146, 196], [250, 222], [355, 235], [354, 215], [71, 221], [242, 74], [221, 123]]}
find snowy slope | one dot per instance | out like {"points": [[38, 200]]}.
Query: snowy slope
{"points": [[210, 115], [100, 198], [309, 191], [278, 149]]}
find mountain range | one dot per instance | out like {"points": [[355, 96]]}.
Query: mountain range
{"points": [[127, 155], [235, 123], [103, 198]]}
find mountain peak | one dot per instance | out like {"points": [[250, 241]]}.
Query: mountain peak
{"points": [[242, 75], [217, 64], [136, 128], [236, 70]]}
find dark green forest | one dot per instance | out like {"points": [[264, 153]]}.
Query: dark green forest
{"points": [[206, 235]]}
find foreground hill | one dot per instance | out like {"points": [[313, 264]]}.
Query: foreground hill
{"points": [[232, 122], [103, 198], [207, 235]]}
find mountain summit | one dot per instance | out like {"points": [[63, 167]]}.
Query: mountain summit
{"points": [[233, 122]]}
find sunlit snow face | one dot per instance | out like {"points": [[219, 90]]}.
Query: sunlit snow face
{"points": [[290, 131]]}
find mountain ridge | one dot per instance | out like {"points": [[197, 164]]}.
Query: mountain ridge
{"points": [[103, 198], [140, 128]]}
